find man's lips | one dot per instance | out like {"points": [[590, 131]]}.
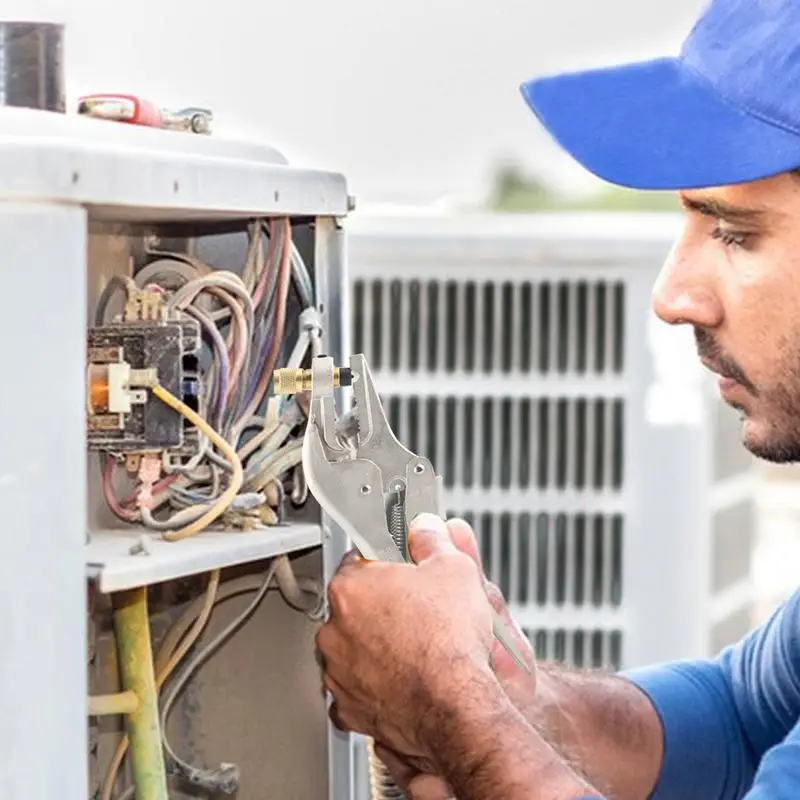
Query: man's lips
{"points": [[729, 388], [720, 373]]}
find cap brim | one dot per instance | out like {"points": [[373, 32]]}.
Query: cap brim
{"points": [[658, 125]]}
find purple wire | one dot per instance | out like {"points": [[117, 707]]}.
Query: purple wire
{"points": [[262, 361], [224, 364]]}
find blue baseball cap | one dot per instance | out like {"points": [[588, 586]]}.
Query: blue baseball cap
{"points": [[726, 110]]}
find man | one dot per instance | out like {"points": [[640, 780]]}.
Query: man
{"points": [[408, 652]]}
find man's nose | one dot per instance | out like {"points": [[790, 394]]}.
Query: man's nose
{"points": [[684, 293]]}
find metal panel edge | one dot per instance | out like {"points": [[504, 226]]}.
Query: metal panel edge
{"points": [[42, 488], [332, 291]]}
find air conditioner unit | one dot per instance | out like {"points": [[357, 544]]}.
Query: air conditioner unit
{"points": [[135, 259]]}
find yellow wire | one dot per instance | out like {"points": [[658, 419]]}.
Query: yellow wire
{"points": [[191, 637], [237, 473]]}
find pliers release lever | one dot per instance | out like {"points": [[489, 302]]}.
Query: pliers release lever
{"points": [[361, 475]]}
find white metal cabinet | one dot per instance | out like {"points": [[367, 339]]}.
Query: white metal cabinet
{"points": [[76, 195]]}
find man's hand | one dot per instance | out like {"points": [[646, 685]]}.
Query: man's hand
{"points": [[400, 638], [519, 686], [413, 776]]}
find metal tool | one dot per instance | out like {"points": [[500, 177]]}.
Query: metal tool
{"points": [[369, 483], [136, 110]]}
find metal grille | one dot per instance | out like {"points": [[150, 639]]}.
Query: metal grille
{"points": [[449, 351], [580, 648], [516, 442], [486, 326], [552, 559]]}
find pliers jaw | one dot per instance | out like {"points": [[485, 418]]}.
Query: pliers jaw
{"points": [[362, 479]]}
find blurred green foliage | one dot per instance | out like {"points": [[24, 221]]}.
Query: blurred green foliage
{"points": [[513, 190]]}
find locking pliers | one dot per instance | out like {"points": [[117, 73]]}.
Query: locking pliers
{"points": [[361, 475]]}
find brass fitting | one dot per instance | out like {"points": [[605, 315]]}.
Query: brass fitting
{"points": [[294, 381]]}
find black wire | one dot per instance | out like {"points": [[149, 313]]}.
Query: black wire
{"points": [[114, 285]]}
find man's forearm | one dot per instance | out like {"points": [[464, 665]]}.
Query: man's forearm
{"points": [[484, 748], [602, 725]]}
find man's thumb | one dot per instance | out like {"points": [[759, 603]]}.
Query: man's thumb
{"points": [[428, 537], [463, 537]]}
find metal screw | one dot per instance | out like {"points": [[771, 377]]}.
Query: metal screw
{"points": [[143, 547], [366, 489]]}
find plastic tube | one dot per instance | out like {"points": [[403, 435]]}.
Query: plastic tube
{"points": [[102, 705]]}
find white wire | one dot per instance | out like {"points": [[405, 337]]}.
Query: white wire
{"points": [[208, 650]]}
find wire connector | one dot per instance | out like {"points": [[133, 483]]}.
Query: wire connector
{"points": [[311, 320]]}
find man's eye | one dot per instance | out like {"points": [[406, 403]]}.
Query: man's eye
{"points": [[730, 238]]}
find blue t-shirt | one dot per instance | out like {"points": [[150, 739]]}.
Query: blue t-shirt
{"points": [[732, 724]]}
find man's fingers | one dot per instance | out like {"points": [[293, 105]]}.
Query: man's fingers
{"points": [[341, 699], [333, 715], [350, 558], [429, 787], [428, 537], [496, 600], [463, 537], [401, 770], [416, 784]]}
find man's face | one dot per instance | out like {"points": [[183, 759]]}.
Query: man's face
{"points": [[734, 275]]}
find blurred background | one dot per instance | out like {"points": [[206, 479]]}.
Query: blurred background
{"points": [[466, 207], [417, 102]]}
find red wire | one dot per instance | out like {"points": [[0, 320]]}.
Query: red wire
{"points": [[262, 283], [122, 507], [127, 515], [157, 487]]}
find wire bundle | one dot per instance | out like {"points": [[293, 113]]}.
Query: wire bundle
{"points": [[248, 443], [303, 594]]}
